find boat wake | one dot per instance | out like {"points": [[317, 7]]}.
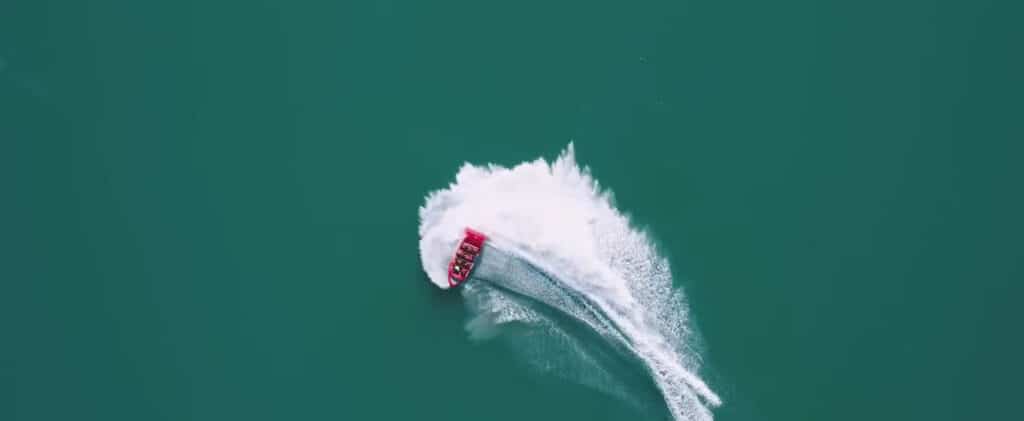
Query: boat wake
{"points": [[567, 283]]}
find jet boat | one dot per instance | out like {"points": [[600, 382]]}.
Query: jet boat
{"points": [[466, 255]]}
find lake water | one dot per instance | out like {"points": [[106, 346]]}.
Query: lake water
{"points": [[211, 208]]}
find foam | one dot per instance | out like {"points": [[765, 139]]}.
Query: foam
{"points": [[556, 217]]}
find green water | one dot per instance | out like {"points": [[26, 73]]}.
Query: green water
{"points": [[209, 208]]}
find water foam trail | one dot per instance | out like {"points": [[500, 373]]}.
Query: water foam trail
{"points": [[565, 262]]}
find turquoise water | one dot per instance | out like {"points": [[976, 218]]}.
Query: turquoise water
{"points": [[210, 208]]}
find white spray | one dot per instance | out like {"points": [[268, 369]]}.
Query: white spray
{"points": [[557, 217]]}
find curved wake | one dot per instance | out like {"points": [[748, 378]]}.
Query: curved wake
{"points": [[567, 282]]}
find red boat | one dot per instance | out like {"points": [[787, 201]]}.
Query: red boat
{"points": [[465, 257]]}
